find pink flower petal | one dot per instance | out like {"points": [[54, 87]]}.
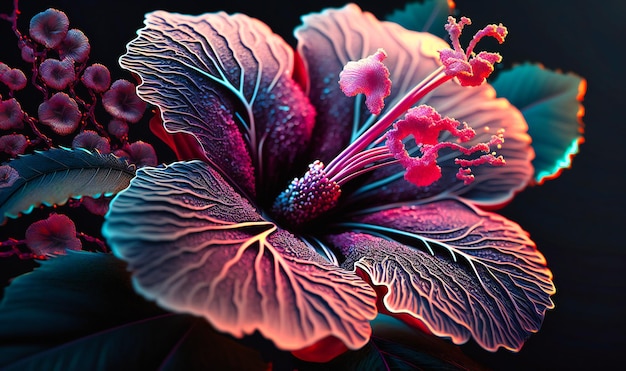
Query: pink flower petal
{"points": [[91, 140], [8, 176], [75, 46], [139, 153], [196, 246], [49, 27], [3, 68], [201, 78], [11, 114], [13, 144], [57, 74], [97, 77], [463, 272], [96, 206], [14, 78], [52, 236], [122, 102], [61, 113], [118, 128], [27, 53]]}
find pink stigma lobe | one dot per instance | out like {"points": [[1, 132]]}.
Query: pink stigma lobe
{"points": [[367, 76], [468, 68], [425, 125]]}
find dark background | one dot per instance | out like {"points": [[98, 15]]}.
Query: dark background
{"points": [[577, 220]]}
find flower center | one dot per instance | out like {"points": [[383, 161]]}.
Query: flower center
{"points": [[318, 191], [308, 197]]}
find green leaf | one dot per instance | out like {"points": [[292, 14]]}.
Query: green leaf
{"points": [[550, 103], [427, 16], [51, 177], [80, 312]]}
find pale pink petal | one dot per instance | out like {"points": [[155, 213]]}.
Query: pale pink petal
{"points": [[196, 246], [463, 272]]}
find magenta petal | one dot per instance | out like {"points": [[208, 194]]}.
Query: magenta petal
{"points": [[49, 27], [8, 176], [57, 74], [196, 246], [139, 153], [53, 236], [75, 46], [217, 76], [14, 78], [11, 114], [122, 102], [61, 113], [97, 77], [463, 272], [96, 206], [91, 141], [13, 144]]}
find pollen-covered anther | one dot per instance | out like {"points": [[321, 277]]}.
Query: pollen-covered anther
{"points": [[425, 125], [308, 197], [469, 68], [367, 76]]}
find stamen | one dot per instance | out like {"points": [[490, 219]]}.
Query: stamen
{"points": [[319, 189]]}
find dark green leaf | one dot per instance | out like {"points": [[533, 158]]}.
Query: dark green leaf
{"points": [[51, 177], [550, 103], [80, 312], [428, 16]]}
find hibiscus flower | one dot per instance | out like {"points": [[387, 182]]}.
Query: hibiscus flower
{"points": [[389, 224]]}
